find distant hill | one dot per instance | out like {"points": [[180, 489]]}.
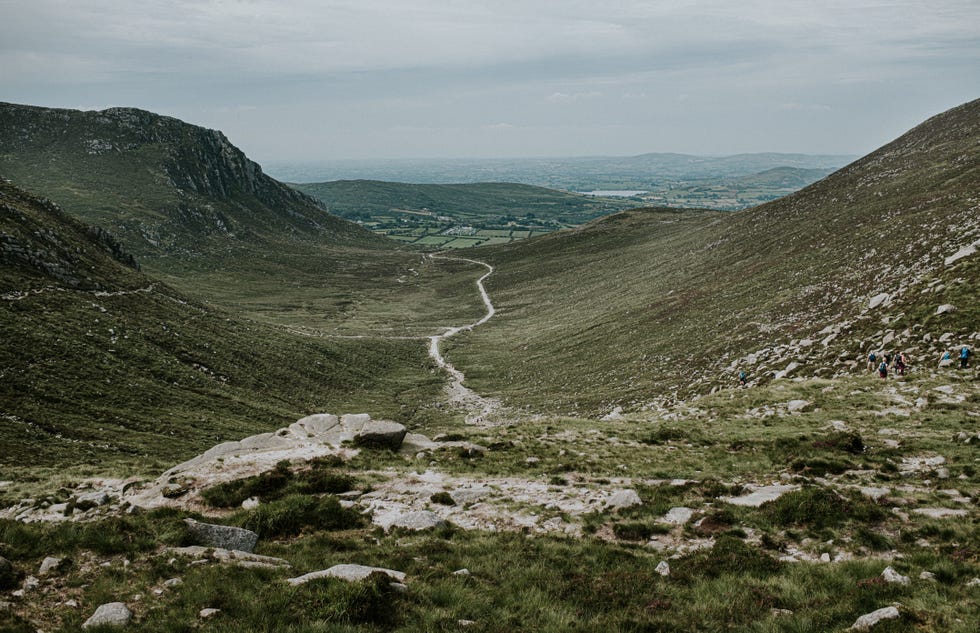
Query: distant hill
{"points": [[102, 364], [162, 186], [571, 174], [653, 304], [791, 178]]}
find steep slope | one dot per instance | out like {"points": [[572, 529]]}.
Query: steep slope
{"points": [[156, 182], [652, 304], [102, 366]]}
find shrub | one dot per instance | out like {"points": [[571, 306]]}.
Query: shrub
{"points": [[638, 531], [443, 498], [729, 555], [292, 514], [819, 507], [370, 601]]}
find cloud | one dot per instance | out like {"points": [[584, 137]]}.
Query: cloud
{"points": [[565, 97]]}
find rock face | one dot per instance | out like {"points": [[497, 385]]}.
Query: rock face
{"points": [[348, 572], [222, 536], [111, 614], [381, 434]]}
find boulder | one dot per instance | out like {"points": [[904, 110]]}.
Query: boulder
{"points": [[868, 620], [49, 564], [348, 572], [208, 612], [797, 406], [110, 614], [380, 434], [944, 308], [663, 568], [878, 300], [221, 536], [8, 575], [678, 516]]}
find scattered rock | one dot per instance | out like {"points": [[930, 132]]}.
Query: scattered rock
{"points": [[927, 575], [623, 499], [875, 494], [890, 575], [348, 572], [663, 568], [780, 612], [975, 582], [941, 513], [92, 500], [966, 251], [615, 414], [110, 614], [380, 434], [208, 612], [946, 307], [172, 583], [825, 558], [465, 622], [461, 572], [222, 536], [868, 620], [250, 504]]}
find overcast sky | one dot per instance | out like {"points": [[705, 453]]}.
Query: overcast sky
{"points": [[334, 79]]}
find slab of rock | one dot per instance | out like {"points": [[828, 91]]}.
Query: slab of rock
{"points": [[380, 434], [941, 513], [944, 308], [208, 612], [663, 568], [348, 572], [966, 251], [760, 495], [222, 536], [623, 499], [110, 614], [878, 299], [868, 620], [890, 575], [237, 558]]}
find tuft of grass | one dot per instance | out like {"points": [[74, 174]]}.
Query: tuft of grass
{"points": [[294, 513]]}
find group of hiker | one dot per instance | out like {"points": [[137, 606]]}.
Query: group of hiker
{"points": [[884, 361]]}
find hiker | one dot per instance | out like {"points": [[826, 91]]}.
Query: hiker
{"points": [[872, 358], [883, 369], [946, 360], [742, 377], [964, 357], [888, 359], [900, 363]]}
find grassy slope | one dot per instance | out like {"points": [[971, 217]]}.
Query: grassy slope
{"points": [[651, 303], [103, 366], [479, 200]]}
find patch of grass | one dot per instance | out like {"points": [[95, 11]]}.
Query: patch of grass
{"points": [[294, 513], [277, 483], [818, 507], [728, 556]]}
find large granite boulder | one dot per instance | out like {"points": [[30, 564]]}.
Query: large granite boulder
{"points": [[111, 614], [380, 434]]}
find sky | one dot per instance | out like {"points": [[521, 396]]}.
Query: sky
{"points": [[308, 80]]}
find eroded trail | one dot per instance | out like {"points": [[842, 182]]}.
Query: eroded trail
{"points": [[479, 409]]}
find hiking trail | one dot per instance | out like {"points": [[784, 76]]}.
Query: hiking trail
{"points": [[479, 408]]}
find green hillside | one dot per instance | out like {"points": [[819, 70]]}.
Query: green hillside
{"points": [[649, 305], [104, 367], [473, 214], [201, 216]]}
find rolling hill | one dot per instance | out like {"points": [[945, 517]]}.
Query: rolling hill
{"points": [[651, 305]]}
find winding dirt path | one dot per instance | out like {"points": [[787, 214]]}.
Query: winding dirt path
{"points": [[479, 408]]}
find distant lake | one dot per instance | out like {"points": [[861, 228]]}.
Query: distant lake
{"points": [[613, 193]]}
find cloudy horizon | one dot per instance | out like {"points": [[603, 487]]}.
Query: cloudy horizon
{"points": [[307, 80]]}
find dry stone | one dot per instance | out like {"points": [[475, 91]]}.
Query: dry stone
{"points": [[890, 575]]}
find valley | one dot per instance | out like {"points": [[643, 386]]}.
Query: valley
{"points": [[541, 434]]}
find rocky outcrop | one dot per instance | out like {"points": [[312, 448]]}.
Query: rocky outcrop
{"points": [[348, 572], [223, 536]]}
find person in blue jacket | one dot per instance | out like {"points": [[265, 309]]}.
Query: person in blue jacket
{"points": [[964, 357]]}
